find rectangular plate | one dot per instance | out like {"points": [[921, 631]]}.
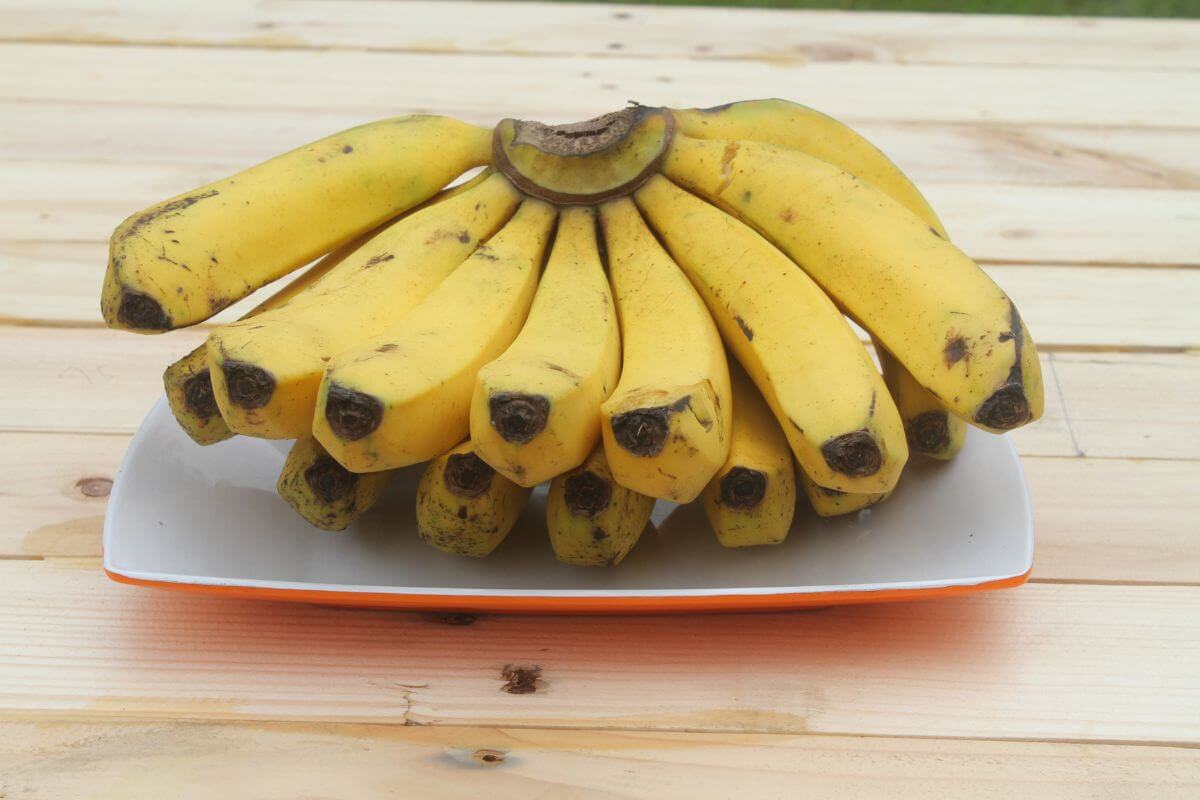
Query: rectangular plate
{"points": [[208, 519]]}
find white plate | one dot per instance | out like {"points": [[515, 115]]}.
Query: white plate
{"points": [[208, 518]]}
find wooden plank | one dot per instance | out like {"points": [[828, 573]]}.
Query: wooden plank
{"points": [[1121, 405], [59, 283], [55, 491], [1071, 225], [977, 153], [1092, 517], [621, 32], [1114, 404], [90, 381], [1099, 519], [84, 201], [1047, 661], [577, 88], [132, 760]]}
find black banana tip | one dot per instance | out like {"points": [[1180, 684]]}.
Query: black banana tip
{"points": [[198, 395], [352, 415], [642, 432], [139, 311], [518, 417], [928, 432], [467, 475], [249, 386], [586, 494], [743, 488], [854, 454], [329, 480], [1007, 408]]}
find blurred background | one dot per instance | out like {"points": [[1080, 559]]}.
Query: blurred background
{"points": [[1095, 8]]}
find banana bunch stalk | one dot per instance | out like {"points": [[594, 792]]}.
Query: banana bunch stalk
{"points": [[647, 305]]}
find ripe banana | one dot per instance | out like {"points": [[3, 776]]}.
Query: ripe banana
{"points": [[184, 259], [266, 370], [666, 426], [751, 499], [797, 127], [188, 383], [592, 519], [931, 306], [931, 430], [801, 353], [832, 503], [405, 395], [535, 412], [324, 492], [464, 506]]}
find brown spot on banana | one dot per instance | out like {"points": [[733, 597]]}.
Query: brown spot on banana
{"points": [[955, 351]]}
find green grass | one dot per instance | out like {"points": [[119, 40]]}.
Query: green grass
{"points": [[1082, 8]]}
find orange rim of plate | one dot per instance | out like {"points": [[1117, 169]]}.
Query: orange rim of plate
{"points": [[577, 604]]}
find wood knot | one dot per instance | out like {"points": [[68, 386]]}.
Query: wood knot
{"points": [[94, 487], [485, 755]]}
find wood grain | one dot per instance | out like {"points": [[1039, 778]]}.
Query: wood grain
{"points": [[198, 760], [1096, 519], [1045, 661], [55, 491], [972, 152], [570, 88], [777, 37]]}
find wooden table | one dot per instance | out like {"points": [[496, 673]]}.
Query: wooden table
{"points": [[1064, 155]]}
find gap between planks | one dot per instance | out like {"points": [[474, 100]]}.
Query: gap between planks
{"points": [[1044, 662], [8, 716]]}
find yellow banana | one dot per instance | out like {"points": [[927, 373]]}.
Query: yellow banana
{"points": [[535, 412], [832, 503], [184, 259], [592, 519], [931, 429], [666, 426], [751, 499], [266, 370], [932, 307], [797, 347], [798, 127], [405, 395], [187, 381], [324, 492], [464, 506]]}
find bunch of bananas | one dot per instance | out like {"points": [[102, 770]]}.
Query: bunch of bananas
{"points": [[567, 315]]}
